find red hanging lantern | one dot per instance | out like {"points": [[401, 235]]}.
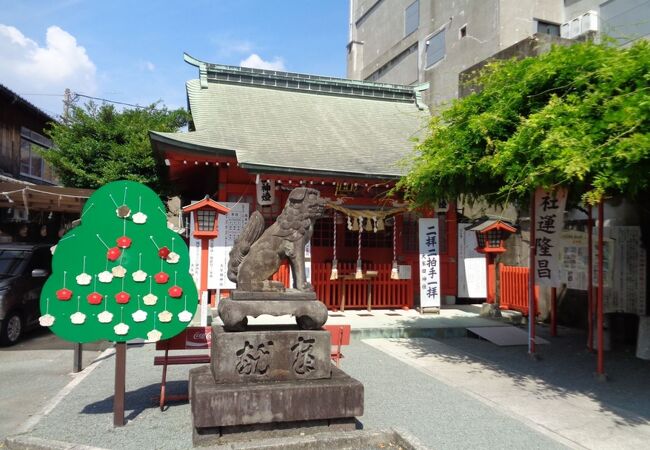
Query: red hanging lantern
{"points": [[122, 297], [64, 294], [94, 298], [175, 291], [163, 252], [124, 242], [161, 277], [113, 253]]}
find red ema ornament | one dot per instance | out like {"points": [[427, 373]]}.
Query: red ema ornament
{"points": [[161, 278], [163, 252], [113, 253], [64, 294], [122, 297], [94, 298], [175, 291], [124, 242]]}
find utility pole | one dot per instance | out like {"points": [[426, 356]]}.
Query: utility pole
{"points": [[67, 99]]}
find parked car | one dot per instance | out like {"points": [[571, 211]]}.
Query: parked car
{"points": [[23, 271]]}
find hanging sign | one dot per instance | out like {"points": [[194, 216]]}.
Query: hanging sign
{"points": [[266, 193], [471, 268], [429, 263], [233, 224], [549, 222]]}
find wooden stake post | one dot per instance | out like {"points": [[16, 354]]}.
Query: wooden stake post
{"points": [[120, 384]]}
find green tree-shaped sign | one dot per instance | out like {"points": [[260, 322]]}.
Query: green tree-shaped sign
{"points": [[122, 274]]}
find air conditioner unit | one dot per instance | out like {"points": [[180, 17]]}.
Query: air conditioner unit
{"points": [[580, 25]]}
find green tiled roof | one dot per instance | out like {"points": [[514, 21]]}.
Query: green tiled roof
{"points": [[277, 121]]}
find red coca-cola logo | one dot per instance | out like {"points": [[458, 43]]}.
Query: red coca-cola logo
{"points": [[199, 339]]}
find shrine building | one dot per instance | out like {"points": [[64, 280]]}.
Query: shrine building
{"points": [[257, 134]]}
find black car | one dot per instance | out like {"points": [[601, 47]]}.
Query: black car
{"points": [[24, 268]]}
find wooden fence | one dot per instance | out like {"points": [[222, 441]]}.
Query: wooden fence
{"points": [[514, 289], [385, 293]]}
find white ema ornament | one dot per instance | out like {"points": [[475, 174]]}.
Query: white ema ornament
{"points": [[185, 316], [118, 271], [83, 279], [154, 335], [150, 299], [165, 316], [121, 329], [173, 258], [46, 320], [139, 316], [139, 218], [105, 277], [139, 276], [78, 318], [105, 317]]}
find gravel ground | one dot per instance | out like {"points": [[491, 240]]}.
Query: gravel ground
{"points": [[397, 395]]}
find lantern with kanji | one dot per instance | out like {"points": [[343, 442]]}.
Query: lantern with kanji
{"points": [[490, 238], [206, 219]]}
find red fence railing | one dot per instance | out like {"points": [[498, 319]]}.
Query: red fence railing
{"points": [[384, 292], [514, 289]]}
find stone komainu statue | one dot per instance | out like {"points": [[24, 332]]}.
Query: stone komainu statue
{"points": [[257, 254]]}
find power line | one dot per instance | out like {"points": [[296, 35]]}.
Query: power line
{"points": [[110, 101]]}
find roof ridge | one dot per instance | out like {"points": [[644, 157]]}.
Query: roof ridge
{"points": [[220, 73]]}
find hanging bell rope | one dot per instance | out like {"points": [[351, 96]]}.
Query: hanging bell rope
{"points": [[334, 275], [394, 272], [359, 273]]}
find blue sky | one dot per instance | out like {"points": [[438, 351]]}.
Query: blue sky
{"points": [[132, 51]]}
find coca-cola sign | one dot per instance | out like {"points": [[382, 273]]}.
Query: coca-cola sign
{"points": [[198, 338]]}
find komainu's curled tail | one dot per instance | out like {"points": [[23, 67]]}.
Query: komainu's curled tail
{"points": [[252, 232]]}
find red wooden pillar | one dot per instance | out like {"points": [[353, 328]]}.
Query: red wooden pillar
{"points": [[553, 311], [590, 281], [491, 277], [531, 280], [600, 371]]}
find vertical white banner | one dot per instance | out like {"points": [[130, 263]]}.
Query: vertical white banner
{"points": [[230, 226], [429, 263], [549, 222], [195, 255], [471, 268]]}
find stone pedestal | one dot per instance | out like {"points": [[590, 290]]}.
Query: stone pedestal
{"points": [[310, 314], [270, 354], [217, 405], [271, 380]]}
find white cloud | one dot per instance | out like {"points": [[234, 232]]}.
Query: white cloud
{"points": [[61, 63], [228, 46], [147, 65], [255, 62]]}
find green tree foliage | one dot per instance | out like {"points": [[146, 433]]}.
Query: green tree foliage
{"points": [[576, 116], [99, 144]]}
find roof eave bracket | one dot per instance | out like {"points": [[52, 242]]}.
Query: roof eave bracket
{"points": [[419, 102]]}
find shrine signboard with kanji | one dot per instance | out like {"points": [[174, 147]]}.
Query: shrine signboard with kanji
{"points": [[429, 240], [122, 274], [549, 222], [265, 193]]}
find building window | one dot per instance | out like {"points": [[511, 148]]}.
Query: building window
{"points": [[323, 233], [551, 29], [462, 32], [435, 48], [411, 17], [31, 161]]}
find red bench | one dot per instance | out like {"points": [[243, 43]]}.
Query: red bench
{"points": [[192, 338], [340, 335]]}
